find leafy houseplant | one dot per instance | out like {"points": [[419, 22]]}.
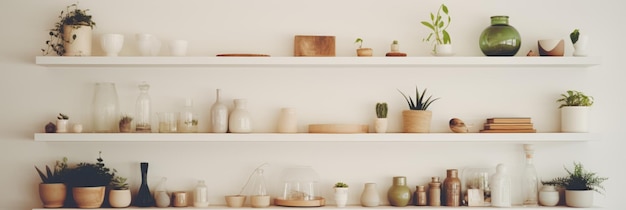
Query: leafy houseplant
{"points": [[417, 119], [575, 98], [62, 123], [360, 51], [438, 25], [574, 36], [419, 103], [579, 179], [119, 196], [63, 117], [73, 18], [90, 174], [58, 175], [52, 189], [575, 111]]}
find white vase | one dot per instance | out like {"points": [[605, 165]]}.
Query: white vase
{"points": [[380, 125], [119, 198], [219, 115], [548, 196], [443, 50], [287, 121], [78, 40], [575, 119], [148, 44], [112, 43], [240, 120], [62, 126], [341, 196], [579, 198], [580, 48], [370, 197]]}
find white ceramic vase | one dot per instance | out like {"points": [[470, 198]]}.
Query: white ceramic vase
{"points": [[548, 196], [240, 120], [580, 48], [575, 119], [219, 115], [370, 196], [579, 198], [341, 196], [112, 44], [287, 121], [119, 198], [80, 45], [62, 126], [380, 125]]}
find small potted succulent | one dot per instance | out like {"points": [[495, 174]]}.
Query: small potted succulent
{"points": [[580, 42], [71, 35], [119, 195], [361, 51], [579, 186], [417, 119], [62, 123], [52, 189], [439, 37], [341, 194], [575, 106], [381, 123], [125, 124]]}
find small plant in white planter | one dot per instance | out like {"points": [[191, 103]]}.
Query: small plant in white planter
{"points": [[580, 42], [440, 38], [119, 196], [71, 35], [341, 194], [363, 52], [579, 186], [62, 123], [381, 123], [575, 106]]}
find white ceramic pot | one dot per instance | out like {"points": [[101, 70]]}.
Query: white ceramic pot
{"points": [[575, 119], [380, 125], [579, 198], [240, 120], [62, 126], [119, 198], [443, 50], [341, 196], [178, 47], [112, 43], [81, 45], [287, 121], [548, 196], [580, 48], [370, 196]]}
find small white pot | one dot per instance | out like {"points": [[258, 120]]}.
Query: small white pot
{"points": [[443, 50], [548, 196], [119, 198], [580, 48], [62, 126], [380, 125], [341, 196], [575, 119], [579, 198]]}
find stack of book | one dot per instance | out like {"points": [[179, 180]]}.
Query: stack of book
{"points": [[509, 125]]}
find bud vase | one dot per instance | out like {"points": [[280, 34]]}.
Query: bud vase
{"points": [[370, 197], [219, 115], [144, 197], [240, 120]]}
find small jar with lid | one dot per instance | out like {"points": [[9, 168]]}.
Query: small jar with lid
{"points": [[434, 192]]}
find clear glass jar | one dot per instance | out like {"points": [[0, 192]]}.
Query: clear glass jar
{"points": [[300, 188], [143, 109], [105, 112], [530, 182], [188, 120]]}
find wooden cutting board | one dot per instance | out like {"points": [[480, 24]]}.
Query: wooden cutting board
{"points": [[321, 46], [338, 128]]}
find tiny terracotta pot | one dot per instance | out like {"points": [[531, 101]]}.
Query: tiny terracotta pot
{"points": [[235, 200], [364, 52]]}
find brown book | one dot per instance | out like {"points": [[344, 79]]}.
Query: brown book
{"points": [[510, 131], [509, 126], [509, 120]]}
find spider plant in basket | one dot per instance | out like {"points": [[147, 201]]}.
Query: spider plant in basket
{"points": [[417, 119]]}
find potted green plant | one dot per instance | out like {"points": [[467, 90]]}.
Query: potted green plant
{"points": [[62, 123], [381, 123], [580, 42], [579, 186], [575, 106], [119, 195], [125, 124], [361, 51], [52, 189], [417, 118], [440, 38], [71, 35], [341, 194], [88, 182]]}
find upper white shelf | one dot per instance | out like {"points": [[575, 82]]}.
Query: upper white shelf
{"points": [[304, 137], [327, 207], [454, 61]]}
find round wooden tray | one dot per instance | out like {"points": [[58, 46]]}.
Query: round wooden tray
{"points": [[338, 128], [319, 201]]}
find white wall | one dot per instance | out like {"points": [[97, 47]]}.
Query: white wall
{"points": [[33, 95]]}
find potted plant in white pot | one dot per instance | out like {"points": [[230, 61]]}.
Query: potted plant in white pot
{"points": [[440, 38], [52, 189], [361, 51], [71, 35], [381, 123], [62, 123], [417, 119], [119, 195], [88, 182], [341, 194], [579, 186], [580, 42], [575, 107]]}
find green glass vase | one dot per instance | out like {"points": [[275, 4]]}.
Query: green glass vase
{"points": [[399, 194], [500, 39]]}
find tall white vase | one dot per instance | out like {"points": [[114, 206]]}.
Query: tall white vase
{"points": [[575, 119], [370, 196], [78, 40], [240, 120], [219, 115]]}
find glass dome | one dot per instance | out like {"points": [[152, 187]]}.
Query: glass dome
{"points": [[300, 188]]}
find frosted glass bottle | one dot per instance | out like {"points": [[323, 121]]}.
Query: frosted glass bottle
{"points": [[161, 196], [143, 109], [188, 120], [501, 187], [105, 112], [530, 181], [219, 115], [201, 195], [240, 120]]}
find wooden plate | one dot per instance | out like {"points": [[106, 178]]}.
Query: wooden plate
{"points": [[338, 128], [300, 203]]}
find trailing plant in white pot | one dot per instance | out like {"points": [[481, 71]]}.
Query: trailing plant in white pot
{"points": [[439, 37], [575, 107], [71, 35]]}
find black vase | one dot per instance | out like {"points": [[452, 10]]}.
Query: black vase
{"points": [[144, 197]]}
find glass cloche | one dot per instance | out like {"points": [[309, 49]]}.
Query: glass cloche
{"points": [[300, 188]]}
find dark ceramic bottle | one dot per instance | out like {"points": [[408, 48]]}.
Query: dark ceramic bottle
{"points": [[399, 194], [500, 39], [452, 188], [144, 197]]}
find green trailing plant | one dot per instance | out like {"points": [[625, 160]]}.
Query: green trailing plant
{"points": [[381, 110], [63, 117], [575, 98], [341, 185], [119, 183], [574, 36], [72, 16], [438, 26], [58, 175], [420, 103], [359, 42], [579, 179], [90, 174]]}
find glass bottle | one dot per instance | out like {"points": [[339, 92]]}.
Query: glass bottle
{"points": [[500, 188], [219, 115], [143, 109], [452, 188], [105, 113], [258, 191], [161, 196], [500, 39], [201, 195], [530, 181], [188, 120], [399, 194], [144, 198], [240, 120], [434, 192]]}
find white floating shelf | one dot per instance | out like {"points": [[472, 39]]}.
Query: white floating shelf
{"points": [[308, 137], [352, 208], [455, 61]]}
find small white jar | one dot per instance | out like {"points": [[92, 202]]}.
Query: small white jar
{"points": [[548, 196]]}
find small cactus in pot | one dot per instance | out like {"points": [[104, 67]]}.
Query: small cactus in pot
{"points": [[381, 110], [381, 124]]}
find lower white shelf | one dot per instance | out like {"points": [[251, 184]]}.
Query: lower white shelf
{"points": [[316, 137], [354, 208]]}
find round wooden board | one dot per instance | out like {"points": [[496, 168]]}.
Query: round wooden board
{"points": [[300, 203], [242, 55], [338, 128]]}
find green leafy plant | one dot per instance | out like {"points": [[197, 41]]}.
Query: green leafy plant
{"points": [[63, 117], [359, 42], [90, 174], [394, 42], [119, 183], [58, 175], [574, 36], [575, 98], [579, 179], [381, 110], [341, 185], [72, 16], [419, 103], [438, 25]]}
